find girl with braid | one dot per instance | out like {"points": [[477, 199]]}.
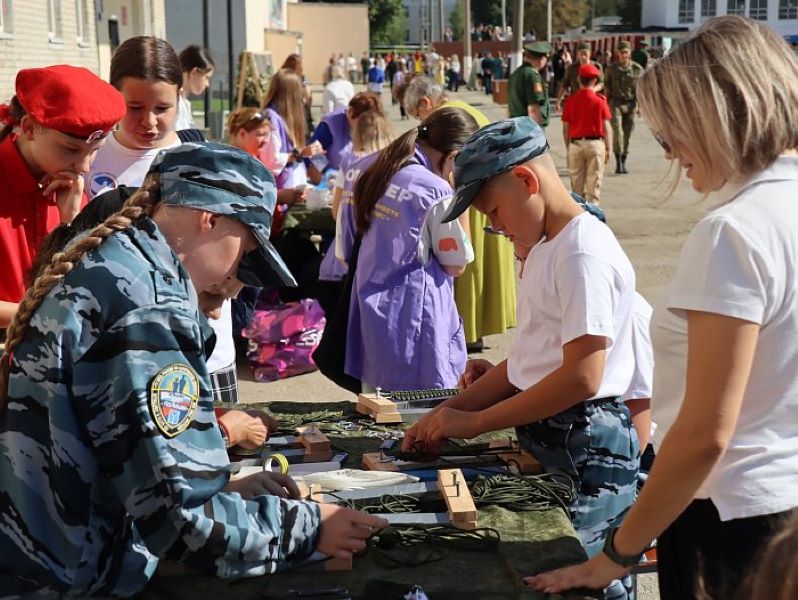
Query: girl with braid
{"points": [[111, 458]]}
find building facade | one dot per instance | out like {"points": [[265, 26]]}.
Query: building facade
{"points": [[781, 15], [37, 33]]}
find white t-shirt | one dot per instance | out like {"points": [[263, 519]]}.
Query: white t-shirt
{"points": [[117, 165], [741, 261], [337, 94], [643, 374], [579, 283], [184, 118]]}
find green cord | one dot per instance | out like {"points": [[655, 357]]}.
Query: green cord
{"points": [[523, 492], [396, 546]]}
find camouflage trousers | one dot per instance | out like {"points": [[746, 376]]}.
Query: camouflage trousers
{"points": [[595, 445]]}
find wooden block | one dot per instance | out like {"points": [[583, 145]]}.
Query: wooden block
{"points": [[314, 441], [469, 525], [458, 498], [382, 410], [371, 462], [517, 457]]}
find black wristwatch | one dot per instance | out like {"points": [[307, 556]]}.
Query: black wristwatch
{"points": [[296, 153], [625, 560]]}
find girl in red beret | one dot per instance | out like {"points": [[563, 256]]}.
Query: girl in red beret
{"points": [[50, 132]]}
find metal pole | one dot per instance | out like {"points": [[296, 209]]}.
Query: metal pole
{"points": [[230, 86], [467, 40], [431, 23], [518, 38], [504, 16], [442, 17], [548, 21], [206, 42]]}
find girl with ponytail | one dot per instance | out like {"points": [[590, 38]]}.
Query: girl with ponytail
{"points": [[404, 331], [112, 457]]}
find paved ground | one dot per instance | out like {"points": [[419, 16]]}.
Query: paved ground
{"points": [[650, 226]]}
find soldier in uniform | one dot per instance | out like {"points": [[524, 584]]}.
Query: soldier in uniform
{"points": [[528, 94], [576, 294], [111, 458], [570, 82], [640, 56], [620, 85]]}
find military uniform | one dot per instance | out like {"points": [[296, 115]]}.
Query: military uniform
{"points": [[528, 88], [111, 457], [620, 89], [571, 77]]}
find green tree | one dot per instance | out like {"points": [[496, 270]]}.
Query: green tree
{"points": [[565, 14], [487, 12], [384, 20], [456, 19]]}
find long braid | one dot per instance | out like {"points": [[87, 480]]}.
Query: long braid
{"points": [[140, 204]]}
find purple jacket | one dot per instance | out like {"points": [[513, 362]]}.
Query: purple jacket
{"points": [[404, 329]]}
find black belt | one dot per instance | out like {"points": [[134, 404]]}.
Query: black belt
{"points": [[595, 137]]}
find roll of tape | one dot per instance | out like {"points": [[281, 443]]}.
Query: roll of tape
{"points": [[282, 461]]}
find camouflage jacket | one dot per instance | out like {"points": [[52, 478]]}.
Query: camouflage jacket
{"points": [[110, 457], [620, 82]]}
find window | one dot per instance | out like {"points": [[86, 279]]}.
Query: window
{"points": [[788, 9], [6, 17], [83, 17], [708, 8], [758, 9], [55, 21], [735, 7], [686, 11]]}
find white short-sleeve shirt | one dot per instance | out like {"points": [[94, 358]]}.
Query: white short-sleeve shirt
{"points": [[579, 283], [741, 261], [643, 374]]}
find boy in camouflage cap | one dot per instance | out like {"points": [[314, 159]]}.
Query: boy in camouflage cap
{"points": [[113, 456], [572, 359]]}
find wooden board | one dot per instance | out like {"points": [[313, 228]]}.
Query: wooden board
{"points": [[454, 489], [382, 410]]}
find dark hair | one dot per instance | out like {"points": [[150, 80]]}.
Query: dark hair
{"points": [[365, 101], [14, 115], [146, 57], [196, 57], [585, 81], [445, 130]]}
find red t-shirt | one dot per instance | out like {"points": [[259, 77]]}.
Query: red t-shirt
{"points": [[586, 112], [26, 217]]}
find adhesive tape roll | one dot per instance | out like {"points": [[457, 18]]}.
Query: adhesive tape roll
{"points": [[281, 460]]}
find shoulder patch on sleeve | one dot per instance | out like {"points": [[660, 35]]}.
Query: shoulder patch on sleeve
{"points": [[174, 396], [538, 87]]}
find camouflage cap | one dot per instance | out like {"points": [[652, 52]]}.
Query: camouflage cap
{"points": [[624, 45], [227, 181], [583, 46], [490, 151], [541, 48]]}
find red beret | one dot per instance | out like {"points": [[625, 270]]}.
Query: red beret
{"points": [[588, 71], [70, 99]]}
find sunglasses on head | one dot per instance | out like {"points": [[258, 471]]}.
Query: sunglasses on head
{"points": [[258, 116], [661, 141]]}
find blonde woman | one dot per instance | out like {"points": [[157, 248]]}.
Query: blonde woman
{"points": [[724, 104]]}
